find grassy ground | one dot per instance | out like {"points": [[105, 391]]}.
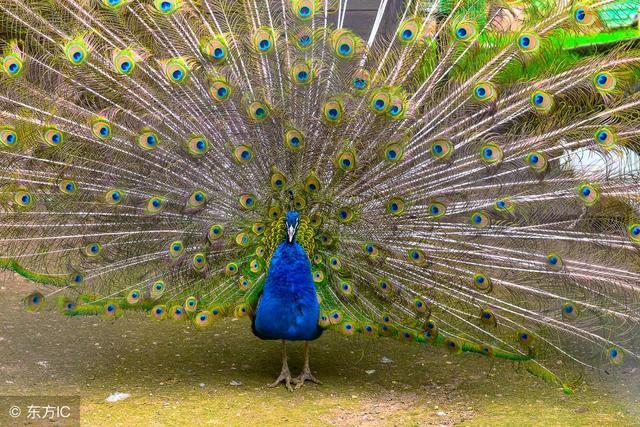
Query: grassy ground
{"points": [[177, 375]]}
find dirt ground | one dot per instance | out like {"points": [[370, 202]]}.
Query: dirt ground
{"points": [[177, 375]]}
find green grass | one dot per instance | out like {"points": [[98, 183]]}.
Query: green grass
{"points": [[161, 365]]}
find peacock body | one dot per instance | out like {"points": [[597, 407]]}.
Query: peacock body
{"points": [[288, 307], [464, 181]]}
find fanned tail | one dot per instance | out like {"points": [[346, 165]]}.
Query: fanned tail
{"points": [[467, 180]]}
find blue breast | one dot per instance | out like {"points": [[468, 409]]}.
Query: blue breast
{"points": [[288, 308]]}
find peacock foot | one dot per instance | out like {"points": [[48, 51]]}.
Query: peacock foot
{"points": [[305, 375], [285, 377]]}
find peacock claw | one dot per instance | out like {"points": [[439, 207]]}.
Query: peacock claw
{"points": [[305, 375], [285, 377], [285, 374]]}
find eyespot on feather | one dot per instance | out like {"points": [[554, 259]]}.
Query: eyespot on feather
{"points": [[525, 338], [312, 183], [491, 153], [304, 10], [263, 40], [528, 42], [633, 230], [537, 161], [302, 73], [583, 14], [167, 7], [13, 65], [247, 201], [465, 31], [159, 312], [606, 138], [293, 139], [487, 318], [220, 90], [202, 319], [52, 136], [8, 136], [346, 160], [114, 196], [92, 250], [304, 39], [157, 289], [541, 101], [384, 285], [101, 129], [482, 283], [197, 199], [111, 311], [588, 194], [199, 261], [176, 249], [504, 204], [243, 154], [76, 51], [361, 81], [177, 313], [124, 61], [484, 92], [480, 220], [442, 149], [216, 231], [436, 210], [23, 199], [191, 304], [332, 111], [393, 152], [605, 81], [258, 111], [395, 206], [148, 139], [554, 262], [34, 302], [345, 43], [380, 101], [615, 355], [416, 256], [134, 297], [371, 250], [154, 205], [67, 186], [215, 49], [197, 145], [409, 30], [569, 311], [176, 70], [397, 107]]}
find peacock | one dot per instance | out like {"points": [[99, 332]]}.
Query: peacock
{"points": [[466, 180]]}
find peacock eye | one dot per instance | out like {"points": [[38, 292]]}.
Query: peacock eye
{"points": [[263, 40], [466, 30], [167, 7]]}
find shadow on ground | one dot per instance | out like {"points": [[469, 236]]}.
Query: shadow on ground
{"points": [[178, 375]]}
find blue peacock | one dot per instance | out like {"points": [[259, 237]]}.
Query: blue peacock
{"points": [[466, 181]]}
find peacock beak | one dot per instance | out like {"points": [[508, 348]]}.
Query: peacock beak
{"points": [[291, 232]]}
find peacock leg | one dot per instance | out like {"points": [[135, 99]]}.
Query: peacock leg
{"points": [[306, 374], [285, 375]]}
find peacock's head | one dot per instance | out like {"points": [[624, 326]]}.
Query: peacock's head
{"points": [[292, 220]]}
